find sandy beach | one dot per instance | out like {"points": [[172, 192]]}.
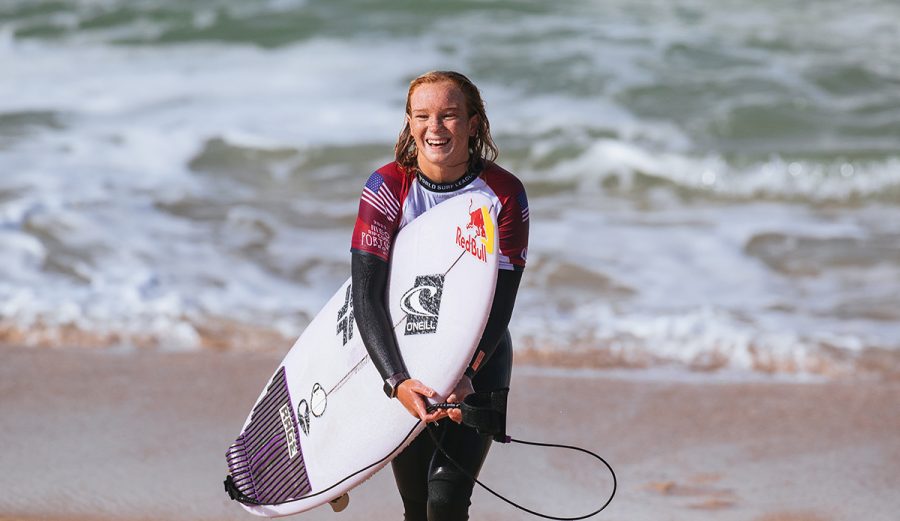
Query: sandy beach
{"points": [[142, 435]]}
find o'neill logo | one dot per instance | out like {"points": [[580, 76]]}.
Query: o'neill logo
{"points": [[477, 237], [422, 304]]}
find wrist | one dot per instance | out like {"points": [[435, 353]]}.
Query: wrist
{"points": [[392, 383]]}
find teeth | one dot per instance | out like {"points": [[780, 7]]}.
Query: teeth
{"points": [[437, 142]]}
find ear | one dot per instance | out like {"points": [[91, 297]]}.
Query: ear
{"points": [[473, 125]]}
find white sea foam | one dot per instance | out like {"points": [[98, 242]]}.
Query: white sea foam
{"points": [[163, 187], [775, 178]]}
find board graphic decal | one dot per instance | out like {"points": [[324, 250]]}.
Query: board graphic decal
{"points": [[422, 304], [266, 461], [345, 317]]}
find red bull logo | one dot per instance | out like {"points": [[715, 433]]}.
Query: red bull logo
{"points": [[478, 236], [476, 221]]}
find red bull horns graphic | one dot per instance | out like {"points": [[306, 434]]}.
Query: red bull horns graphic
{"points": [[477, 237]]}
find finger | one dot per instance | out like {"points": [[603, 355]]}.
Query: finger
{"points": [[412, 402], [411, 409], [437, 414], [455, 415], [424, 390], [420, 409], [434, 417]]}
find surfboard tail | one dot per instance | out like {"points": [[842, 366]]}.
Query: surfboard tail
{"points": [[239, 484], [265, 462]]}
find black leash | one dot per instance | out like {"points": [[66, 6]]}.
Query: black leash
{"points": [[486, 413]]}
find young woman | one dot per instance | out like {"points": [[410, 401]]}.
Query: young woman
{"points": [[445, 149]]}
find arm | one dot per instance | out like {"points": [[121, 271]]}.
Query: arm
{"points": [[498, 320], [369, 279]]}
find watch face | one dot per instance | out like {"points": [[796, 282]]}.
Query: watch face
{"points": [[392, 383], [390, 387]]}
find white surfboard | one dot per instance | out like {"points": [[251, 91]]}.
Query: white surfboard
{"points": [[322, 424]]}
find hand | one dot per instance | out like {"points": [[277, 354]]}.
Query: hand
{"points": [[463, 388], [412, 394]]}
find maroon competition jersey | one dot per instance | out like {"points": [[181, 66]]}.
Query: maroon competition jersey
{"points": [[392, 198]]}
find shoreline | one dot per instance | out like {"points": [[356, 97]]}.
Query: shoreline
{"points": [[96, 435]]}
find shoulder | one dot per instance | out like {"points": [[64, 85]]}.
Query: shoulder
{"points": [[392, 171], [392, 176], [502, 181]]}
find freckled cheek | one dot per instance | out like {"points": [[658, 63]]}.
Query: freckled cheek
{"points": [[461, 135], [418, 133]]}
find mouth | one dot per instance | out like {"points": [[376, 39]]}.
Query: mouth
{"points": [[437, 143]]}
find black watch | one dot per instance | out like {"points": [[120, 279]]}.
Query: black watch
{"points": [[391, 384]]}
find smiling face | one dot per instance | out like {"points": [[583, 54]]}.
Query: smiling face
{"points": [[441, 126]]}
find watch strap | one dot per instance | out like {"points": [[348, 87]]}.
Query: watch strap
{"points": [[394, 381]]}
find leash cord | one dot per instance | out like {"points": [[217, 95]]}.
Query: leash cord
{"points": [[537, 444]]}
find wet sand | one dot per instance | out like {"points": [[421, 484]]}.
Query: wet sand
{"points": [[141, 436]]}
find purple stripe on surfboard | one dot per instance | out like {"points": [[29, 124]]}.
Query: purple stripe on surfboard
{"points": [[262, 466], [240, 468], [283, 478], [286, 489], [260, 456], [265, 409], [258, 433], [264, 417], [277, 475], [254, 442], [261, 453]]}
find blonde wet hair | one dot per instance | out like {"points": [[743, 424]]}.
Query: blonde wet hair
{"points": [[481, 145]]}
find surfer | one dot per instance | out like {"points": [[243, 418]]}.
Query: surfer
{"points": [[445, 149]]}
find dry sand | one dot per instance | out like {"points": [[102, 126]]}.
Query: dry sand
{"points": [[105, 435]]}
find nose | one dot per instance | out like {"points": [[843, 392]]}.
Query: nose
{"points": [[435, 123]]}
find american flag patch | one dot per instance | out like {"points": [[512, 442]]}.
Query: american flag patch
{"points": [[383, 200], [523, 203]]}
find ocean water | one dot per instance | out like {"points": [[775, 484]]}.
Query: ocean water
{"points": [[713, 185]]}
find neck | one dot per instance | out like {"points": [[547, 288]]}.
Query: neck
{"points": [[452, 186], [443, 174]]}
